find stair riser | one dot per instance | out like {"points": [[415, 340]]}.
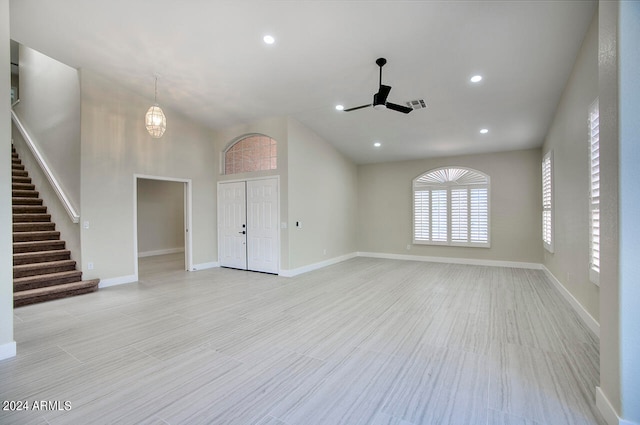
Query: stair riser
{"points": [[36, 236], [54, 296], [29, 209], [33, 227], [36, 269], [23, 173], [38, 246], [17, 167], [43, 282], [31, 218], [20, 179], [41, 257]]}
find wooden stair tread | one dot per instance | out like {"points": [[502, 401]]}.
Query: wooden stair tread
{"points": [[26, 217], [21, 193], [29, 209], [34, 257], [33, 269], [79, 284], [18, 200], [45, 264], [33, 226], [32, 296], [38, 235], [34, 246], [71, 273]]}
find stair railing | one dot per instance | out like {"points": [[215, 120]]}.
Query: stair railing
{"points": [[73, 214]]}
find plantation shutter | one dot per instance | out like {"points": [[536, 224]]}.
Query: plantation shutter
{"points": [[547, 199], [460, 215], [451, 207], [439, 215], [594, 219], [479, 215], [421, 215]]}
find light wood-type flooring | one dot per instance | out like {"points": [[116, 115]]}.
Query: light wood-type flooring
{"points": [[366, 341]]}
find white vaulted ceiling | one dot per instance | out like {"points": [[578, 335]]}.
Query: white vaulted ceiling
{"points": [[215, 68]]}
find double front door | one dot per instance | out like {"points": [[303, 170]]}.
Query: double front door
{"points": [[248, 225]]}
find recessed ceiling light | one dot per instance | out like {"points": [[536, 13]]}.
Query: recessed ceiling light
{"points": [[476, 78], [484, 131], [377, 144], [269, 39], [340, 107]]}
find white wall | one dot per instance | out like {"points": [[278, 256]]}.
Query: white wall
{"points": [[115, 146], [7, 344], [322, 197], [385, 202], [160, 217], [50, 110], [568, 139]]}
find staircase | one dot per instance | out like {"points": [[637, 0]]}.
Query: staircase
{"points": [[42, 267]]}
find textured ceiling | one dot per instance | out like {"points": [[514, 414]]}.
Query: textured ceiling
{"points": [[215, 68]]}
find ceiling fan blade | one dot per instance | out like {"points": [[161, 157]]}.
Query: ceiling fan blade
{"points": [[357, 107], [381, 96], [399, 108]]}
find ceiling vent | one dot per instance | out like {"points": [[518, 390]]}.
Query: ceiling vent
{"points": [[417, 104]]}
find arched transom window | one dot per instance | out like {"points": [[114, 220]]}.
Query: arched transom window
{"points": [[451, 207], [252, 153]]}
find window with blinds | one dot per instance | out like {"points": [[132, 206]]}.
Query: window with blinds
{"points": [[451, 207], [594, 192], [547, 201]]}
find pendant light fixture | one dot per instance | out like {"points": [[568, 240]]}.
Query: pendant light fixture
{"points": [[154, 120]]}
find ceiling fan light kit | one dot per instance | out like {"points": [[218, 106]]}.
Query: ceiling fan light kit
{"points": [[380, 98]]}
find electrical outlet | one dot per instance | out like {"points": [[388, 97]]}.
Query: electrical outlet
{"points": [[90, 265], [408, 247], [324, 252], [85, 225]]}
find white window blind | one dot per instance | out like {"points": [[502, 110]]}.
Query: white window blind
{"points": [[547, 201], [451, 207], [594, 192]]}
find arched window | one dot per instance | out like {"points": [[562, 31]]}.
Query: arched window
{"points": [[255, 152], [451, 207]]}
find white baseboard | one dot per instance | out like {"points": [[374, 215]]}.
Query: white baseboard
{"points": [[316, 266], [453, 260], [105, 283], [160, 252], [582, 312], [204, 266], [8, 350], [608, 412]]}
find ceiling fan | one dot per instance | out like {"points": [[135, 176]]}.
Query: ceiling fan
{"points": [[380, 98]]}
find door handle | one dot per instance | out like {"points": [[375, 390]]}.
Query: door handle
{"points": [[243, 232]]}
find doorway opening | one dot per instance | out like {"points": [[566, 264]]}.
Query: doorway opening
{"points": [[248, 232], [162, 217]]}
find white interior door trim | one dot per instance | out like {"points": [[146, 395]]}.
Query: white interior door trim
{"points": [[188, 208]]}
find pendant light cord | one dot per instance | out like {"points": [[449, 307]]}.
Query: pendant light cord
{"points": [[155, 96]]}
